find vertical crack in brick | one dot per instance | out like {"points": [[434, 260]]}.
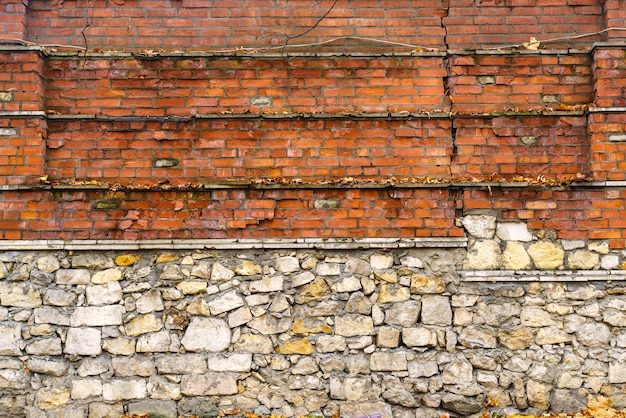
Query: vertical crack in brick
{"points": [[445, 6]]}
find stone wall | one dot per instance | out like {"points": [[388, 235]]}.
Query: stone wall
{"points": [[314, 328]]}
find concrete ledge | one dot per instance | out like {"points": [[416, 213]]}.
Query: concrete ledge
{"points": [[496, 276], [232, 244]]}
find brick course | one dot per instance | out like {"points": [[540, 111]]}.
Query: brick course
{"points": [[452, 120]]}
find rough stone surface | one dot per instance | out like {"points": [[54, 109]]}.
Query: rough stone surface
{"points": [[206, 334], [480, 226], [515, 257], [436, 310], [483, 255], [582, 260], [546, 255], [306, 332], [513, 231]]}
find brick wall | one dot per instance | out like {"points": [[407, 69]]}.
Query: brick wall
{"points": [[351, 142], [252, 23]]}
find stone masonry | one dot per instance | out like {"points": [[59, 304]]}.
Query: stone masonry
{"points": [[401, 332]]}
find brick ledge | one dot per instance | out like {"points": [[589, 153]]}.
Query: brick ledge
{"points": [[233, 244], [498, 276]]}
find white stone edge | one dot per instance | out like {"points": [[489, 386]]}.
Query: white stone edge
{"points": [[496, 276], [231, 244]]}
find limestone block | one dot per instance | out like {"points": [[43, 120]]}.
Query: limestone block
{"points": [[513, 231], [73, 276], [351, 389], [132, 366], [403, 314], [226, 302], [48, 264], [388, 361], [92, 260], [181, 364], [192, 288], [267, 284], [150, 301], [286, 265], [45, 347], [392, 294], [515, 257], [86, 388], [302, 279], [516, 339], [330, 343], [552, 335], [232, 362], [118, 390], [354, 325], [143, 324], [209, 384], [161, 388], [206, 334], [10, 340], [51, 398], [537, 393], [248, 268], [301, 346], [412, 262], [609, 262], [483, 255], [479, 226], [462, 405], [457, 372], [347, 284], [20, 295], [106, 294], [171, 272], [157, 342], [125, 260], [582, 260], [424, 285], [546, 255], [533, 316], [14, 379], [387, 337], [423, 369], [270, 325], [419, 337], [359, 304], [107, 276], [600, 247], [201, 270], [105, 410], [58, 297], [593, 334], [94, 366], [220, 273], [97, 316], [310, 326], [121, 346], [381, 261], [394, 392], [389, 276], [83, 341], [239, 317], [151, 407], [365, 409], [476, 336], [256, 344], [357, 266], [436, 310], [327, 269], [617, 372]]}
